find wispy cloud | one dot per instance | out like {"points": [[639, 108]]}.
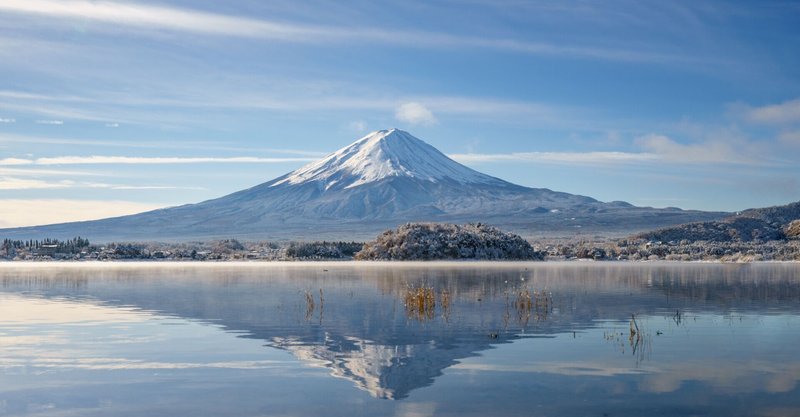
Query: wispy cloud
{"points": [[43, 108], [35, 172], [269, 100], [654, 149], [17, 183], [15, 161], [415, 110], [21, 95], [12, 183], [94, 159], [195, 21], [168, 18], [358, 126], [774, 114], [146, 187], [713, 151], [6, 120], [192, 144], [579, 158], [114, 109], [414, 113]]}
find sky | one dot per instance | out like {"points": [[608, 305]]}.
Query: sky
{"points": [[116, 107]]}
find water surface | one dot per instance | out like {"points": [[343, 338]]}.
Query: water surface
{"points": [[343, 339]]}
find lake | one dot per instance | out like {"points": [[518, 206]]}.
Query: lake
{"points": [[422, 339]]}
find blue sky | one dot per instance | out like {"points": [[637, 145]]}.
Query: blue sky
{"points": [[113, 107]]}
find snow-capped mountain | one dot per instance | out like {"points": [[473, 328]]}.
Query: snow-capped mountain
{"points": [[381, 155], [383, 179], [391, 174]]}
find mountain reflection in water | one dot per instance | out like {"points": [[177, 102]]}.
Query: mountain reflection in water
{"points": [[364, 324]]}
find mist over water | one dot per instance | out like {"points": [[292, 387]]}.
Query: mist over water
{"points": [[400, 339]]}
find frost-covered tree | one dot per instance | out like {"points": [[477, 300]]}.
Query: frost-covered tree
{"points": [[793, 230], [429, 241]]}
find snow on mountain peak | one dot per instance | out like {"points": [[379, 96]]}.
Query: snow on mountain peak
{"points": [[383, 154]]}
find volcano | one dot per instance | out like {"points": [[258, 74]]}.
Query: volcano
{"points": [[383, 179]]}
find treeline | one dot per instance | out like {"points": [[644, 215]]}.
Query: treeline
{"points": [[330, 250], [233, 249], [74, 245], [216, 250], [639, 250]]}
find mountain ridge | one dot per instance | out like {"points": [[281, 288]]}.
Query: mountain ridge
{"points": [[386, 178], [756, 224]]}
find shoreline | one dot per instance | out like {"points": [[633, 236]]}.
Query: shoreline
{"points": [[130, 264]]}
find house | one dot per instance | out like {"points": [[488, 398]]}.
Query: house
{"points": [[46, 249]]}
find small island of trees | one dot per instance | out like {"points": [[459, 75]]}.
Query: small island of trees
{"points": [[434, 241]]}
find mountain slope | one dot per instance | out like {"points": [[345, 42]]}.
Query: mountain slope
{"points": [[385, 178], [380, 155], [390, 173], [768, 223]]}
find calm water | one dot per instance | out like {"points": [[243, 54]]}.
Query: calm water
{"points": [[339, 339]]}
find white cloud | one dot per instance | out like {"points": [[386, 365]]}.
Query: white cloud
{"points": [[414, 113], [5, 120], [26, 139], [655, 149], [17, 183], [15, 161], [133, 187], [94, 159], [358, 126], [23, 95], [37, 173], [13, 183], [578, 158], [140, 15], [267, 100], [112, 124], [711, 152], [783, 113], [120, 14], [49, 110], [19, 212]]}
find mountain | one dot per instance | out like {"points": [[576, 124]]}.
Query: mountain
{"points": [[768, 223], [390, 174], [383, 179]]}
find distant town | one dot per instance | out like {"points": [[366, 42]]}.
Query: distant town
{"points": [[79, 249]]}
